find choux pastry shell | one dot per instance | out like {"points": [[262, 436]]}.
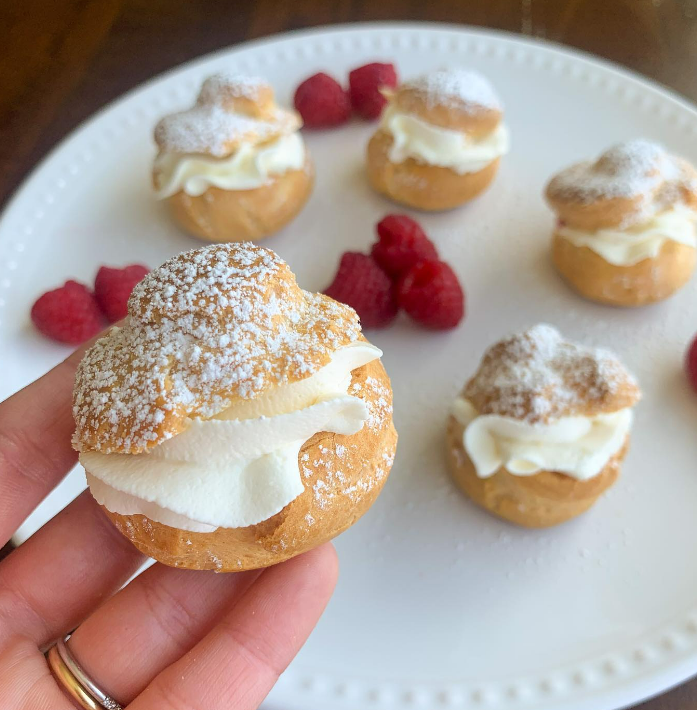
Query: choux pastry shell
{"points": [[234, 166], [217, 328], [439, 142], [536, 379], [625, 234]]}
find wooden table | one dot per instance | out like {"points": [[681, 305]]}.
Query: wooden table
{"points": [[61, 60]]}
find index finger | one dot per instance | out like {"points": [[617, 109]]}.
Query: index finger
{"points": [[238, 662], [36, 426]]}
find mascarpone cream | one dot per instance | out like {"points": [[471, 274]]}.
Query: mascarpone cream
{"points": [[249, 167], [415, 138], [241, 467], [643, 241], [579, 447]]}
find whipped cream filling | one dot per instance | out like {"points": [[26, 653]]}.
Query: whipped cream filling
{"points": [[415, 138], [241, 467], [579, 447], [643, 241], [249, 167]]}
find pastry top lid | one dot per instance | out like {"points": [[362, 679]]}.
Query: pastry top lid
{"points": [[627, 183], [461, 88], [209, 327], [230, 109], [537, 376], [458, 99]]}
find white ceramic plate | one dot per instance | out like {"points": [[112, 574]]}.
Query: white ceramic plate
{"points": [[439, 605]]}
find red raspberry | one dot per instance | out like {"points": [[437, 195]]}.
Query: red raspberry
{"points": [[431, 294], [364, 88], [322, 102], [401, 244], [68, 314], [112, 287], [691, 364], [364, 286]]}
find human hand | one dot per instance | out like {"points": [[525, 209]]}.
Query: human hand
{"points": [[171, 639]]}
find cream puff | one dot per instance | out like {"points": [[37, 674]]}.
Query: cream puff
{"points": [[439, 141], [233, 420], [233, 167], [541, 429], [625, 232]]}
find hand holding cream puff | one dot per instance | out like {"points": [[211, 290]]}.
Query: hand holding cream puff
{"points": [[233, 167], [626, 224], [439, 142], [541, 429], [234, 420]]}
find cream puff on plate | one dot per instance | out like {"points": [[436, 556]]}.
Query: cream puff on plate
{"points": [[440, 140], [625, 231], [234, 166], [233, 420], [541, 429]]}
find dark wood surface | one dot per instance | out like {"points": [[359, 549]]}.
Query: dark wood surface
{"points": [[61, 60]]}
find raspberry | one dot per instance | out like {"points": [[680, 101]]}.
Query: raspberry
{"points": [[401, 244], [68, 314], [364, 88], [691, 364], [363, 285], [431, 294], [322, 102], [112, 287]]}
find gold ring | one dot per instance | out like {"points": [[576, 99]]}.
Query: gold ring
{"points": [[68, 681], [74, 681]]}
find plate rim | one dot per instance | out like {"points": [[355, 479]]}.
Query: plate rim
{"points": [[339, 28]]}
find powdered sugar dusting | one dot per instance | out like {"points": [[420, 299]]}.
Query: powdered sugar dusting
{"points": [[214, 127], [537, 376], [379, 406], [209, 326], [411, 180], [345, 469], [626, 170], [337, 478], [372, 476], [209, 129], [231, 84], [461, 87]]}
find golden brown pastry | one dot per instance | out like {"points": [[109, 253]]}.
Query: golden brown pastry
{"points": [[625, 233], [439, 141], [233, 167], [541, 429], [234, 420]]}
